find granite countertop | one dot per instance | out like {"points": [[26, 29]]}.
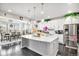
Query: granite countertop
{"points": [[49, 38]]}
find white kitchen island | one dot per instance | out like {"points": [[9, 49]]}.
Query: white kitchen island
{"points": [[45, 45]]}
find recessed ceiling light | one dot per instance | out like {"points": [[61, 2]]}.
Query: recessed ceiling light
{"points": [[9, 10]]}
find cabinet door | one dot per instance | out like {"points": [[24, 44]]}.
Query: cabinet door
{"points": [[78, 33], [25, 42], [55, 46], [70, 29], [77, 29], [73, 29]]}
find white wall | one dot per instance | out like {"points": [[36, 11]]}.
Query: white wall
{"points": [[54, 24]]}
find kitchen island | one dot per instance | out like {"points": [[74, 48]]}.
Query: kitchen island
{"points": [[45, 45]]}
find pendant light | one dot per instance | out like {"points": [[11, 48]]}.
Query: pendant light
{"points": [[5, 14], [28, 11], [42, 8], [34, 11], [29, 15]]}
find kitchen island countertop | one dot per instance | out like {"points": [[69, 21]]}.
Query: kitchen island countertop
{"points": [[48, 39], [44, 45]]}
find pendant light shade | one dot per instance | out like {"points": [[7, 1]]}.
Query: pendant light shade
{"points": [[34, 11], [42, 8]]}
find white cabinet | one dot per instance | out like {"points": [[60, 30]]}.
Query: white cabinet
{"points": [[25, 42], [46, 47]]}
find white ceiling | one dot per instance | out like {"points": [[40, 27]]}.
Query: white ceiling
{"points": [[50, 9]]}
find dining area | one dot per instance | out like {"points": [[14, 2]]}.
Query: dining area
{"points": [[8, 43], [10, 36]]}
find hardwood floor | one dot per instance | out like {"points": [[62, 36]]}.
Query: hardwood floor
{"points": [[16, 51]]}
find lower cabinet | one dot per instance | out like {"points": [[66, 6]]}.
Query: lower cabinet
{"points": [[41, 47]]}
